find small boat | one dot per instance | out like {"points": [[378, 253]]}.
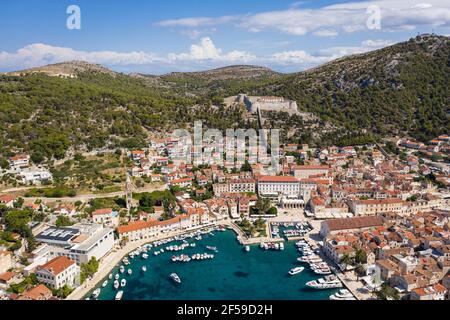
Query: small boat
{"points": [[116, 277], [296, 270], [123, 283], [175, 278], [105, 283], [96, 293], [145, 256], [116, 284], [130, 272], [247, 248], [110, 276], [122, 269], [119, 295], [343, 294], [144, 268]]}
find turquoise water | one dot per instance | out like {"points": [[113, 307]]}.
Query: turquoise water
{"points": [[232, 275]]}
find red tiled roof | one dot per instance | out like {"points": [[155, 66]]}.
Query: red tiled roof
{"points": [[40, 292], [102, 211], [277, 179], [57, 265], [354, 223]]}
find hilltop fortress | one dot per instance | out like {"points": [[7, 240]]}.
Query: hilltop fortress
{"points": [[264, 103]]}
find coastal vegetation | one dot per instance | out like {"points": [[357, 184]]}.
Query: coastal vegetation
{"points": [[255, 229], [87, 270]]}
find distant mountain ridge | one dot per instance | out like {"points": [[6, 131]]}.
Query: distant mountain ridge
{"points": [[68, 69]]}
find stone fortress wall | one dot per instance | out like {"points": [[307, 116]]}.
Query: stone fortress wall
{"points": [[266, 103]]}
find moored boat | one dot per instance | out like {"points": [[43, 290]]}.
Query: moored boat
{"points": [[123, 283], [328, 282], [119, 295], [96, 293]]}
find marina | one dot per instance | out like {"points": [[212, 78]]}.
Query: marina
{"points": [[230, 273]]}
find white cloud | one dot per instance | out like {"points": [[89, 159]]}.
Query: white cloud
{"points": [[203, 55], [40, 54], [330, 20], [206, 50], [194, 22], [325, 33]]}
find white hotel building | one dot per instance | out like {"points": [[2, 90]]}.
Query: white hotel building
{"points": [[274, 186]]}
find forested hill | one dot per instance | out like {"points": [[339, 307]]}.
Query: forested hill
{"points": [[402, 89]]}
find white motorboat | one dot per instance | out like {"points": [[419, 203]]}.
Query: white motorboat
{"points": [[96, 293], [116, 284], [123, 283], [105, 283], [175, 278], [110, 276], [247, 248], [144, 268], [122, 269], [145, 256], [119, 295], [342, 294], [296, 270], [116, 277], [329, 282], [130, 272]]}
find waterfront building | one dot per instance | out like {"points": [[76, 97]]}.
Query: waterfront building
{"points": [[273, 186], [357, 224], [80, 242], [58, 272]]}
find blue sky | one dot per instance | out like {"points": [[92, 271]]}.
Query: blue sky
{"points": [[188, 35]]}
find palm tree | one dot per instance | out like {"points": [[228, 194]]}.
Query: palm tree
{"points": [[346, 259]]}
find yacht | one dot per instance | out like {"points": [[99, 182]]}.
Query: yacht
{"points": [[96, 293], [116, 277], [110, 276], [130, 271], [329, 282], [122, 269], [296, 270], [144, 268], [123, 283], [247, 248], [116, 284], [175, 278], [105, 283], [145, 256], [119, 295], [342, 294]]}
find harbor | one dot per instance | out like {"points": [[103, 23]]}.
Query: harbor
{"points": [[223, 269]]}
